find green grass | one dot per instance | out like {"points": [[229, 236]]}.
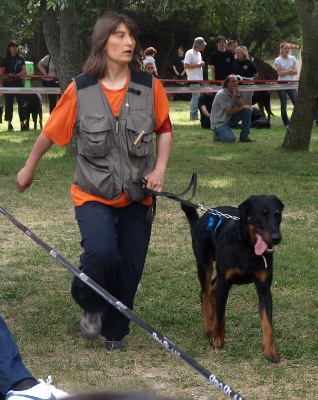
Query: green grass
{"points": [[35, 295]]}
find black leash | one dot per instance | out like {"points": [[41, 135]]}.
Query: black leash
{"points": [[177, 197]]}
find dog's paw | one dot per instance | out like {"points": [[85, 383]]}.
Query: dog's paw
{"points": [[218, 342], [272, 356]]}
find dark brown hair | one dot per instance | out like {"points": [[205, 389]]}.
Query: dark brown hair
{"points": [[150, 51], [106, 25], [11, 44]]}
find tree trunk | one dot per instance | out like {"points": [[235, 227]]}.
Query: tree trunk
{"points": [[62, 40], [299, 132]]}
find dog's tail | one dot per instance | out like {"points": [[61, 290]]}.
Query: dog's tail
{"points": [[192, 216]]}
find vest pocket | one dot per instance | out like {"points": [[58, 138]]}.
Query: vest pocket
{"points": [[94, 178], [139, 129], [96, 131]]}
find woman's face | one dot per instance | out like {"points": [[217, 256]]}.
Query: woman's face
{"points": [[239, 54], [120, 46], [285, 50], [13, 50]]}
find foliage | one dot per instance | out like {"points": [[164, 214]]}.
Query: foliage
{"points": [[57, 4]]}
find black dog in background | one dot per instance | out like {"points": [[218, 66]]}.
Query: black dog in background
{"points": [[242, 248], [263, 99], [32, 104], [257, 119]]}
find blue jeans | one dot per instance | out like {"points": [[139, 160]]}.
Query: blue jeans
{"points": [[194, 102], [12, 369], [115, 242], [224, 132], [282, 94]]}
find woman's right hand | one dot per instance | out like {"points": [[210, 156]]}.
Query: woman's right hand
{"points": [[24, 179]]}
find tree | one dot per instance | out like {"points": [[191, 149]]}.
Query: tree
{"points": [[60, 29], [61, 33], [299, 132]]}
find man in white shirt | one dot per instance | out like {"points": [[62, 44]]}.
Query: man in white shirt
{"points": [[194, 66]]}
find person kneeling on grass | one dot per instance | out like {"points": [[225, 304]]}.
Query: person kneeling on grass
{"points": [[16, 382], [228, 109]]}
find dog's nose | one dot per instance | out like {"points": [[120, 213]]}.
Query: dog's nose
{"points": [[275, 238]]}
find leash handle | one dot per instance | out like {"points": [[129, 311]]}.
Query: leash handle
{"points": [[177, 197]]}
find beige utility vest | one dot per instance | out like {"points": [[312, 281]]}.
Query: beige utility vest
{"points": [[114, 152]]}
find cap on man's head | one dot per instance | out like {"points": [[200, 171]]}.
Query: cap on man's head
{"points": [[199, 41], [219, 38], [13, 43]]}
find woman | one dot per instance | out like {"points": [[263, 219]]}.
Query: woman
{"points": [[47, 68], [286, 69], [244, 68], [149, 55], [116, 107], [13, 64], [179, 71]]}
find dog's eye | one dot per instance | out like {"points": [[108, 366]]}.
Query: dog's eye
{"points": [[263, 213]]}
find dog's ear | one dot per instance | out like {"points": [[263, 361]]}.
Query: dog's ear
{"points": [[244, 207], [280, 204]]}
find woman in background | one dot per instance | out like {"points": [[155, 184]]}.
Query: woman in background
{"points": [[149, 55], [13, 64], [286, 69], [245, 69]]}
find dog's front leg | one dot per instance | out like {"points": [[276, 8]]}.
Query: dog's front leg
{"points": [[222, 288], [265, 312]]}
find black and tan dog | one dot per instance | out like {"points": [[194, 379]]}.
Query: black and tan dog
{"points": [[32, 104], [242, 248]]}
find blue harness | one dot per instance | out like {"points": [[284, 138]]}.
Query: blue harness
{"points": [[214, 222]]}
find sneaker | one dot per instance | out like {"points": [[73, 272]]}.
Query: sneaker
{"points": [[247, 140], [115, 344], [42, 391], [194, 118], [91, 324], [10, 127]]}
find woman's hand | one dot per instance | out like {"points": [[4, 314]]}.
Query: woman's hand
{"points": [[155, 180], [24, 179]]}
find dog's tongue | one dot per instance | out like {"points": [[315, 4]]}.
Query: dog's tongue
{"points": [[260, 245]]}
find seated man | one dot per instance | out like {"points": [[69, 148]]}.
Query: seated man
{"points": [[227, 110], [15, 379], [205, 106]]}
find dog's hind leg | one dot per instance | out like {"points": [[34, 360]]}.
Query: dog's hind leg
{"points": [[207, 310], [265, 313], [34, 118]]}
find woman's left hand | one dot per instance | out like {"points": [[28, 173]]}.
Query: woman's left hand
{"points": [[155, 180]]}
